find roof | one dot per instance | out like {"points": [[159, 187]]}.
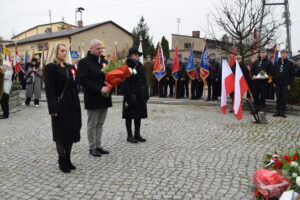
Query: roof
{"points": [[65, 33], [41, 25]]}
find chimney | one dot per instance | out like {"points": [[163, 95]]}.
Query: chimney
{"points": [[48, 30], [79, 24], [69, 27], [225, 39], [196, 34]]}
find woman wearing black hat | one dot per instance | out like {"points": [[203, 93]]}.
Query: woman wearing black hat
{"points": [[33, 80], [135, 97]]}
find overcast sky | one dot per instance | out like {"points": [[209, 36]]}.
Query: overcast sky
{"points": [[19, 15]]}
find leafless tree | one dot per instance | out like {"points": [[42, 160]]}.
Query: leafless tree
{"points": [[239, 19]]}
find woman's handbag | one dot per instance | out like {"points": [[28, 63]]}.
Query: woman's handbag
{"points": [[29, 80], [59, 99]]}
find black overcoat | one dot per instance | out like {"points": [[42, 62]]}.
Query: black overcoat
{"points": [[135, 93], [66, 126]]}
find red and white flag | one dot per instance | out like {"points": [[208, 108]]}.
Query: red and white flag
{"points": [[227, 84], [240, 88], [17, 64]]}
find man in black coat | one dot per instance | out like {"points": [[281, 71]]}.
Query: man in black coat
{"points": [[92, 79], [169, 78], [259, 85], [284, 74], [183, 81], [213, 78]]}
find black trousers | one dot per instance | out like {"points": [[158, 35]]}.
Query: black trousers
{"points": [[281, 95], [5, 105], [170, 84], [197, 89], [183, 88], [259, 88], [212, 89], [163, 85]]}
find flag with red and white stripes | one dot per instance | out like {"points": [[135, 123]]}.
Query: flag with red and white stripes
{"points": [[227, 84], [240, 88]]}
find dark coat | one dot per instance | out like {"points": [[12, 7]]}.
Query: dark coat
{"points": [[261, 65], [92, 80], [66, 126], [136, 94], [214, 70], [284, 72]]}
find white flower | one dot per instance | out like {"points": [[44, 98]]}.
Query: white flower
{"points": [[134, 71], [298, 181], [130, 70], [294, 164], [294, 175]]}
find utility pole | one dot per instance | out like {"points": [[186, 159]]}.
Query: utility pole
{"points": [[287, 22], [50, 19], [178, 21]]}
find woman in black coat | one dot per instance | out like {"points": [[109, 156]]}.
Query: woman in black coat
{"points": [[63, 105], [135, 97]]}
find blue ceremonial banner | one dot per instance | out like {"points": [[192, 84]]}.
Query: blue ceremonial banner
{"points": [[204, 67], [190, 67]]}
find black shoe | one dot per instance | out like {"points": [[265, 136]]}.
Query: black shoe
{"points": [[283, 115], [231, 111], [95, 153], [102, 151], [69, 163], [131, 140], [62, 163], [3, 117], [277, 114], [139, 138], [208, 100]]}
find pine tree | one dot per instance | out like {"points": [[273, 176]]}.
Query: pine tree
{"points": [[165, 47], [142, 29]]}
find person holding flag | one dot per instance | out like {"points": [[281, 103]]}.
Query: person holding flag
{"points": [[213, 78], [148, 66]]}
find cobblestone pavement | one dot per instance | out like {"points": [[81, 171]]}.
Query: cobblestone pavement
{"points": [[192, 152]]}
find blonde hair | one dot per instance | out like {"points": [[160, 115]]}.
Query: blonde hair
{"points": [[52, 55]]}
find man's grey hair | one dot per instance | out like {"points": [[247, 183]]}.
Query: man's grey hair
{"points": [[94, 42]]}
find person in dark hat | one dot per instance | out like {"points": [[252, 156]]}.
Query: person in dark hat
{"points": [[33, 79], [283, 74], [259, 84], [135, 97]]}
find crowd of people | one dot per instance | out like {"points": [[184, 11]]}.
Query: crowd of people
{"points": [[64, 81]]}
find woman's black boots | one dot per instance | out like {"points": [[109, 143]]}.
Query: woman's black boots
{"points": [[69, 163], [137, 132], [63, 166], [129, 131]]}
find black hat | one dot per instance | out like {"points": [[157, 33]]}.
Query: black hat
{"points": [[34, 60], [134, 50]]}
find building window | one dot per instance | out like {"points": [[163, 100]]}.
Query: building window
{"points": [[187, 45]]}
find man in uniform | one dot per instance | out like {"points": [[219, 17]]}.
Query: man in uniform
{"points": [[284, 74], [149, 74], [259, 84], [169, 78], [213, 78]]}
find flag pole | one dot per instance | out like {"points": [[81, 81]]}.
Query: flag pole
{"points": [[175, 89]]}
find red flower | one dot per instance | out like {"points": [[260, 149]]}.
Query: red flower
{"points": [[287, 159], [279, 171], [278, 164], [294, 157]]}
